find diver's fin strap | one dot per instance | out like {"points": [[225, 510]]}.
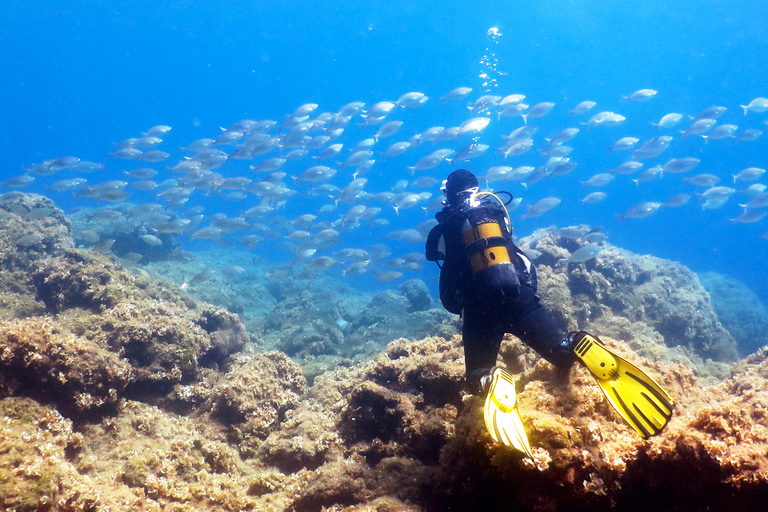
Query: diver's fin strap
{"points": [[634, 394], [502, 390], [599, 362]]}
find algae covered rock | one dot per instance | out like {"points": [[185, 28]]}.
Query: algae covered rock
{"points": [[252, 399], [74, 373], [166, 342], [166, 419], [739, 310], [417, 294], [162, 336], [660, 293], [320, 329], [82, 279], [36, 444], [31, 228], [338, 483]]}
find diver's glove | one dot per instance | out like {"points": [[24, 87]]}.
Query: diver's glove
{"points": [[502, 418], [635, 395]]}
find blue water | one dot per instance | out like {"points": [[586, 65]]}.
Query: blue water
{"points": [[78, 76]]}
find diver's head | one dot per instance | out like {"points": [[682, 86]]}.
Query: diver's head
{"points": [[459, 186]]}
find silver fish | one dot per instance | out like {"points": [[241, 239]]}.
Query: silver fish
{"points": [[749, 135], [749, 174], [703, 180], [538, 110], [641, 95], [594, 197], [758, 201], [158, 131], [640, 211], [627, 168], [388, 129], [749, 216], [652, 148], [756, 105], [598, 180], [64, 185], [28, 240], [678, 200], [680, 165], [126, 154], [396, 149], [583, 254], [412, 100], [476, 124], [458, 93], [19, 181], [151, 240], [699, 127], [711, 113], [668, 121], [724, 131], [541, 207], [563, 136], [623, 144], [582, 108], [468, 152]]}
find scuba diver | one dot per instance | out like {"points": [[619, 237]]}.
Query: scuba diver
{"points": [[492, 284]]}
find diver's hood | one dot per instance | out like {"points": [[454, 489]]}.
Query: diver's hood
{"points": [[459, 182]]}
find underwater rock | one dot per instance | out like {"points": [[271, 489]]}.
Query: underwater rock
{"points": [[75, 374], [663, 294], [167, 419], [124, 233], [32, 228], [307, 439], [739, 310], [711, 455], [252, 399], [232, 280], [36, 446], [82, 279], [339, 483], [166, 342], [165, 337], [390, 315], [417, 294], [381, 409], [584, 455], [127, 242], [304, 325], [319, 329], [146, 459]]}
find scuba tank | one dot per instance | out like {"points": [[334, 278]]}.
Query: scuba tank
{"points": [[487, 237]]}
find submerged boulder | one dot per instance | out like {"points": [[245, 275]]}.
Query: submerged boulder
{"points": [[31, 228], [77, 374], [645, 290], [739, 310]]}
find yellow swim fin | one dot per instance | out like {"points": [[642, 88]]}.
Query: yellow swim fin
{"points": [[502, 418], [639, 399]]}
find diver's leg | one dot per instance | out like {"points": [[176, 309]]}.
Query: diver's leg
{"points": [[482, 334], [533, 325]]}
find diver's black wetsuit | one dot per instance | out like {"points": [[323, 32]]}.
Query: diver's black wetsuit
{"points": [[489, 313]]}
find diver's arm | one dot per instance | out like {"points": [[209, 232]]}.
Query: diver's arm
{"points": [[435, 246]]}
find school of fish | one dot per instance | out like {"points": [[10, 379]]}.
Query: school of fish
{"points": [[327, 188]]}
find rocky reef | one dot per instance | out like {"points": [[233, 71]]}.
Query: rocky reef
{"points": [[739, 310], [630, 296], [119, 392]]}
